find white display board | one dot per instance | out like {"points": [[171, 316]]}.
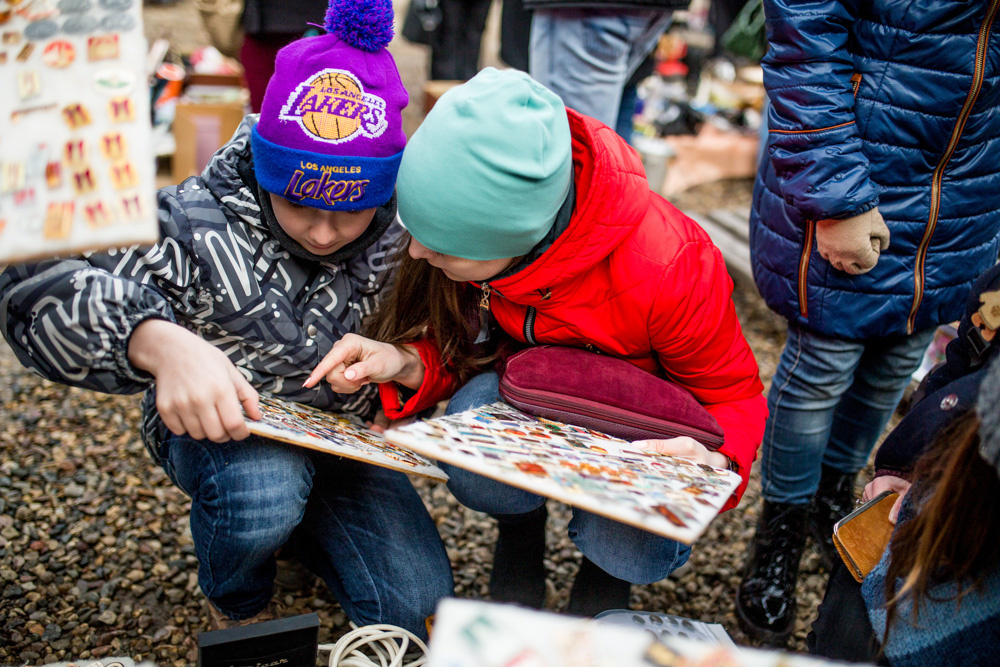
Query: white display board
{"points": [[77, 169]]}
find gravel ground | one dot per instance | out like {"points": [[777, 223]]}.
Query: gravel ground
{"points": [[96, 556]]}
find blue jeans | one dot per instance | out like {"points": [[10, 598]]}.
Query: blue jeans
{"points": [[830, 399], [362, 528], [585, 56], [620, 550]]}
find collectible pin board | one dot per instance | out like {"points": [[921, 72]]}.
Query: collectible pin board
{"points": [[471, 633], [308, 427], [665, 495], [77, 169]]}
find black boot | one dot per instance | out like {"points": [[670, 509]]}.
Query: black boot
{"points": [[594, 591], [519, 559], [833, 501], [765, 602]]}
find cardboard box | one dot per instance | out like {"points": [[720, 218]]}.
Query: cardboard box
{"points": [[434, 89], [200, 130]]}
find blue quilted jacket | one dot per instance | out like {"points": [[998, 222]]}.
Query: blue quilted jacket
{"points": [[888, 103]]}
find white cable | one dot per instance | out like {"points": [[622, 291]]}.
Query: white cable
{"points": [[378, 639]]}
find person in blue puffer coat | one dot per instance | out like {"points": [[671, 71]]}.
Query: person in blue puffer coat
{"points": [[875, 208]]}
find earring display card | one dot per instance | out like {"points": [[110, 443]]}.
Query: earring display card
{"points": [[289, 642], [666, 495], [77, 173]]}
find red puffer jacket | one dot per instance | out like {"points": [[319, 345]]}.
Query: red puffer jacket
{"points": [[635, 278]]}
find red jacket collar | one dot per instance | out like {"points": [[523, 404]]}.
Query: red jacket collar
{"points": [[612, 196]]}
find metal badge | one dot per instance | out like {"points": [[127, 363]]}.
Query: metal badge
{"points": [[102, 47], [84, 181], [75, 153], [11, 38], [28, 84], [115, 5], [124, 176], [12, 177], [121, 110], [43, 29], [74, 6], [82, 24], [76, 115], [53, 175], [97, 214], [25, 52], [949, 401], [118, 23], [113, 146], [59, 53], [58, 220], [115, 81]]}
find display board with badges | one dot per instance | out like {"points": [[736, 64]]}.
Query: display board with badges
{"points": [[77, 170]]}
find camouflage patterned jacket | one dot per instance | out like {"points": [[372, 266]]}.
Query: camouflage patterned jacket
{"points": [[219, 271]]}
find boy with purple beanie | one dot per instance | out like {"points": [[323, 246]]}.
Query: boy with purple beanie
{"points": [[267, 259]]}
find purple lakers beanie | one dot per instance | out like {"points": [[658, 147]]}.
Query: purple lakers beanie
{"points": [[330, 132]]}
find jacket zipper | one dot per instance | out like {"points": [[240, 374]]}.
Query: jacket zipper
{"points": [[529, 326], [936, 181], [804, 268], [856, 83], [484, 314], [546, 400]]}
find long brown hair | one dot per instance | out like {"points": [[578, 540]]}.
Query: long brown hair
{"points": [[955, 534], [423, 302]]}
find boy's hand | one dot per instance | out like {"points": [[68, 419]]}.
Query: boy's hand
{"points": [[355, 361], [198, 390], [686, 448]]}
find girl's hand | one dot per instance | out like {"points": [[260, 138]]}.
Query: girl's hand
{"points": [[884, 483], [686, 448], [198, 390], [355, 361]]}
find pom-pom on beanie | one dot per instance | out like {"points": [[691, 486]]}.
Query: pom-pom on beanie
{"points": [[330, 132], [485, 174]]}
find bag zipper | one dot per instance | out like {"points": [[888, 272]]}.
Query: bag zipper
{"points": [[936, 182], [484, 314], [625, 419]]}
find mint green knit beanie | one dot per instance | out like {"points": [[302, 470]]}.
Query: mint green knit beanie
{"points": [[485, 174]]}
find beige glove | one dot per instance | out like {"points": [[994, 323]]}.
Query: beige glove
{"points": [[853, 244]]}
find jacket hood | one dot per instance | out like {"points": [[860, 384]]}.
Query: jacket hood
{"points": [[612, 197]]}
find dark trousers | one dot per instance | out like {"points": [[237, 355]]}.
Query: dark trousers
{"points": [[455, 51], [842, 630]]}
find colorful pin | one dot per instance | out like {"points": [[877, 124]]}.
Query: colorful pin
{"points": [[84, 181], [53, 175], [58, 220], [10, 38], [123, 176], [121, 110], [12, 177], [76, 115], [102, 47], [132, 208], [28, 84], [59, 53], [114, 81], [97, 214], [25, 52], [113, 146], [75, 153]]}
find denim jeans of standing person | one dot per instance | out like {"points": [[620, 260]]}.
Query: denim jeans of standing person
{"points": [[585, 56], [830, 399], [362, 528], [620, 550]]}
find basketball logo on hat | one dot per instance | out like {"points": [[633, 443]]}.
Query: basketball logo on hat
{"points": [[332, 106]]}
